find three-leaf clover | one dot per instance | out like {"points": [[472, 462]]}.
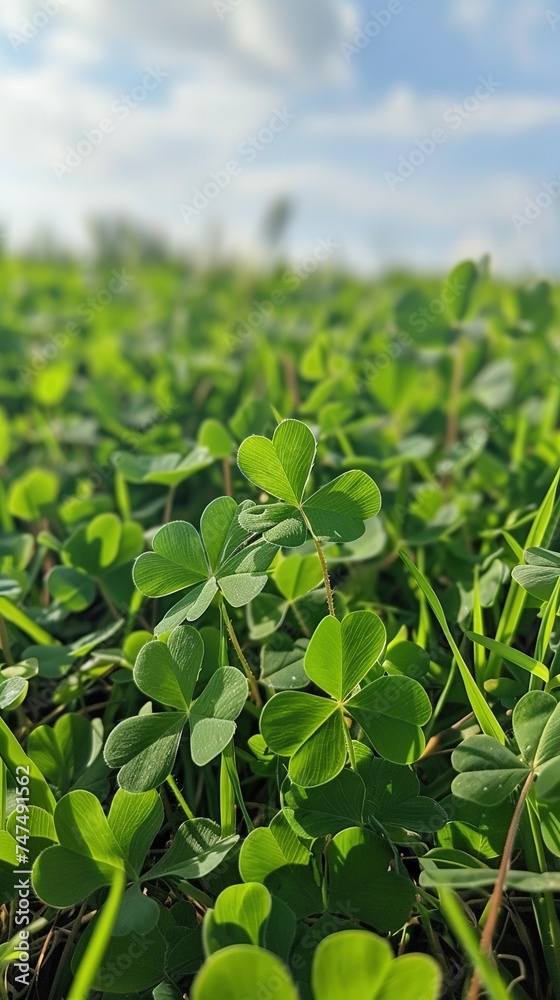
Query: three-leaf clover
{"points": [[203, 564], [311, 730], [281, 467], [92, 846], [489, 772], [145, 747]]}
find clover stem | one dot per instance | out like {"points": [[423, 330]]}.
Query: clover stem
{"points": [[498, 890], [226, 469], [180, 797], [323, 561], [350, 746], [169, 504], [5, 643], [253, 686]]}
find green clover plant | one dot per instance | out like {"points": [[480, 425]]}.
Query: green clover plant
{"points": [[216, 560], [311, 730], [144, 748]]}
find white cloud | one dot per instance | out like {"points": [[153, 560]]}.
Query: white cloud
{"points": [[407, 115]]}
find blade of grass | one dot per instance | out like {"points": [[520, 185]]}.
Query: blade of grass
{"points": [[99, 941], [468, 939], [483, 713], [533, 665], [516, 598]]}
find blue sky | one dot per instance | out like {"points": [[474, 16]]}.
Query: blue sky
{"points": [[339, 123]]}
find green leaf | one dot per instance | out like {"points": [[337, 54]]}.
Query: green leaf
{"points": [[340, 653], [145, 748], [337, 511], [196, 850], [512, 655], [71, 587], [220, 530], [530, 718], [356, 964], [383, 899], [95, 547], [214, 436], [322, 756], [350, 966], [391, 711], [539, 574], [275, 857], [166, 470], [297, 575], [327, 809], [406, 658], [14, 757], [291, 717], [239, 916], [177, 561], [32, 494], [283, 668], [489, 772], [135, 820], [213, 714], [279, 523], [190, 607], [308, 729], [239, 972], [87, 856], [460, 283], [168, 672], [392, 795], [281, 466], [483, 713]]}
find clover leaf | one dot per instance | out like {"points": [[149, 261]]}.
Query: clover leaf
{"points": [[489, 772], [92, 846], [202, 564], [281, 467], [145, 747], [311, 730], [540, 572], [357, 964], [248, 913]]}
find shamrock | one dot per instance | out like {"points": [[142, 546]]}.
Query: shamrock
{"points": [[92, 846], [312, 731], [282, 466], [145, 747], [202, 564]]}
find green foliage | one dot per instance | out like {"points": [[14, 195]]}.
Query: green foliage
{"points": [[239, 734]]}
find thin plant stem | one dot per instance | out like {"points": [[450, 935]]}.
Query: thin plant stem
{"points": [[498, 890], [350, 747], [180, 797], [168, 509], [253, 686], [226, 469], [324, 568]]}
